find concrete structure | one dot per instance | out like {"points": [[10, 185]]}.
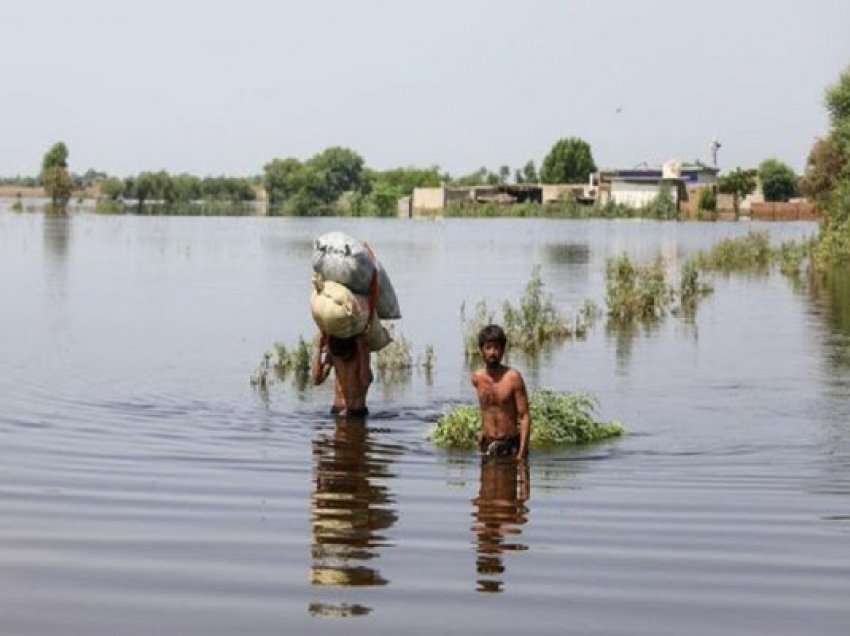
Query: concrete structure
{"points": [[425, 201]]}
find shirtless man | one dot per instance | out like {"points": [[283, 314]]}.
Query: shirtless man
{"points": [[505, 420], [349, 358]]}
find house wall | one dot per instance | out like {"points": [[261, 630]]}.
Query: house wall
{"points": [[634, 195], [553, 192], [429, 199]]}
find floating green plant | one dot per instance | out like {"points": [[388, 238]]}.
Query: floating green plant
{"points": [[558, 419]]}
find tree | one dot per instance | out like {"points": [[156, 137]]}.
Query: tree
{"points": [[504, 174], [739, 183], [281, 178], [778, 181], [112, 188], [824, 167], [55, 178], [569, 161], [341, 170]]}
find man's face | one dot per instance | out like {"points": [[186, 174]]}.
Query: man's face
{"points": [[492, 353]]}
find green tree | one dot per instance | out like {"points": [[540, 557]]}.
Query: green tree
{"points": [[112, 188], [55, 177], [778, 181], [569, 161], [739, 183], [504, 174], [340, 170], [281, 178]]}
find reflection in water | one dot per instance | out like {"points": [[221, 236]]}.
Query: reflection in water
{"points": [[833, 294], [499, 511], [568, 253], [349, 511]]}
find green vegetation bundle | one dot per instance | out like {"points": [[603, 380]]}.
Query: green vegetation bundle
{"points": [[558, 419]]}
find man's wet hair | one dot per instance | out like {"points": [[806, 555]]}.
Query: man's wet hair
{"points": [[342, 348], [492, 333]]}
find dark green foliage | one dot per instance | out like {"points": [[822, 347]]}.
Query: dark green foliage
{"points": [[312, 188], [778, 181], [55, 157], [557, 419], [569, 161]]}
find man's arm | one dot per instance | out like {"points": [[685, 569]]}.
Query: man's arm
{"points": [[523, 415], [321, 363]]}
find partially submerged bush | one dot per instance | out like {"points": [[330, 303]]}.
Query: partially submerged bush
{"points": [[396, 356], [557, 419], [746, 253], [636, 292], [529, 325], [691, 289]]}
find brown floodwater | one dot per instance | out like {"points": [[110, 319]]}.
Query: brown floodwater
{"points": [[148, 488]]}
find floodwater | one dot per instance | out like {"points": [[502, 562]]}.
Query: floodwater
{"points": [[146, 488]]}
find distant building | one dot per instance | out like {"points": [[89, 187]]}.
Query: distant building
{"points": [[637, 187]]}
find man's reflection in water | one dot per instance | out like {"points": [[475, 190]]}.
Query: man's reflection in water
{"points": [[349, 511], [499, 512]]}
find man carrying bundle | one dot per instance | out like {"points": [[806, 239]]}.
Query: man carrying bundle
{"points": [[352, 294]]}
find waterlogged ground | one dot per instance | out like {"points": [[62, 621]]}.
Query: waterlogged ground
{"points": [[146, 488]]}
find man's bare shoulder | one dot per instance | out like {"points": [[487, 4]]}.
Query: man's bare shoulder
{"points": [[514, 377]]}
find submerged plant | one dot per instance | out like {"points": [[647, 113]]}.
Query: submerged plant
{"points": [[746, 253], [691, 289], [529, 325], [636, 292], [558, 419], [280, 361]]}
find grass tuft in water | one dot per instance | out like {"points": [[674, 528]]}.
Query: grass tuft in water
{"points": [[281, 361], [558, 419], [636, 292], [750, 253], [529, 325]]}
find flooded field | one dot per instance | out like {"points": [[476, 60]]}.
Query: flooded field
{"points": [[147, 488]]}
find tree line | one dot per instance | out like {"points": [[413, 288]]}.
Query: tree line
{"points": [[337, 181]]}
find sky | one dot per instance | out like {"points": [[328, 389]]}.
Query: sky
{"points": [[223, 87]]}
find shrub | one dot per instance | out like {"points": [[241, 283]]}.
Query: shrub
{"points": [[529, 325], [747, 253], [558, 419], [636, 292]]}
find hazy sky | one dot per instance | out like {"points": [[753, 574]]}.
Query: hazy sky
{"points": [[222, 87]]}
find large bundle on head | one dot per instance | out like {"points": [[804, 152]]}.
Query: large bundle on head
{"points": [[341, 313], [339, 258]]}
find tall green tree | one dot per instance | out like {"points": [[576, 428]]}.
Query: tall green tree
{"points": [[569, 161], [824, 167], [340, 170], [55, 177], [282, 178], [739, 183], [778, 181]]}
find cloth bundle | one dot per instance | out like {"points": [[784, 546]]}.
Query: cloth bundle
{"points": [[351, 291]]}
